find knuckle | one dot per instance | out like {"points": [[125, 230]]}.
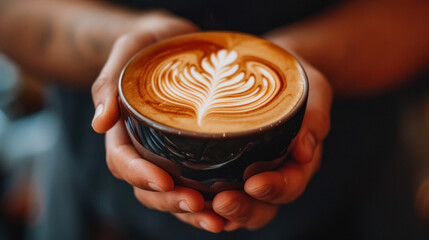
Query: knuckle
{"points": [[244, 219], [119, 151], [135, 40], [275, 197], [323, 122], [317, 75], [124, 40], [131, 166], [321, 80], [138, 180], [99, 84], [166, 204], [111, 166], [140, 196], [295, 186], [243, 215]]}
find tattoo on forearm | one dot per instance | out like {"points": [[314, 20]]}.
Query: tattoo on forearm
{"points": [[91, 37]]}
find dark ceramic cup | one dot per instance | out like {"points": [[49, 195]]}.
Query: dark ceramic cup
{"points": [[211, 163]]}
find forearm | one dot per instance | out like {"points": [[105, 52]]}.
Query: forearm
{"points": [[65, 40], [364, 46]]}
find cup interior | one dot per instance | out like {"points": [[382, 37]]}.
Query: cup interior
{"points": [[172, 130]]}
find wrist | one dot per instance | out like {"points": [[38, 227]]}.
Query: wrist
{"points": [[313, 47]]}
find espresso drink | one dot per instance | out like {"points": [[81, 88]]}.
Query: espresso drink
{"points": [[213, 108], [213, 82]]}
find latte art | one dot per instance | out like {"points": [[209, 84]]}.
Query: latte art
{"points": [[219, 88], [213, 82]]}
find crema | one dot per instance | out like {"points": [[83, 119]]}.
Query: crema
{"points": [[213, 82]]}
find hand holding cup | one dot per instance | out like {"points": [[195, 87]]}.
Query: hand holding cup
{"points": [[166, 142]]}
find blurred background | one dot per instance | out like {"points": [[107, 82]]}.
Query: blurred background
{"points": [[375, 167], [27, 132]]}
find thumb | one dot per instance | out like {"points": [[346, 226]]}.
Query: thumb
{"points": [[105, 88], [316, 123]]}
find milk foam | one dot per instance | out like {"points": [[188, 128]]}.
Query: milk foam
{"points": [[220, 87], [214, 82]]}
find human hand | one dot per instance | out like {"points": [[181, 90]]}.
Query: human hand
{"points": [[263, 193], [145, 30], [153, 187], [187, 204]]}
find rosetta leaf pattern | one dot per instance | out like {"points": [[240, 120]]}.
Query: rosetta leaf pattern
{"points": [[219, 87]]}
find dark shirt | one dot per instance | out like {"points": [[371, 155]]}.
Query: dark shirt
{"points": [[250, 16], [79, 185]]}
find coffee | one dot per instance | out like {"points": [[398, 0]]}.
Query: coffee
{"points": [[213, 108], [213, 82]]}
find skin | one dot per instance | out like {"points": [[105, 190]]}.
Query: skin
{"points": [[363, 47], [75, 47], [69, 41]]}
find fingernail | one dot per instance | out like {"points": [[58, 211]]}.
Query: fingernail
{"points": [[155, 187], [230, 207], [204, 225], [98, 112], [184, 206], [310, 141], [262, 191]]}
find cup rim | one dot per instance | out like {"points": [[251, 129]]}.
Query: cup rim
{"points": [[176, 131]]}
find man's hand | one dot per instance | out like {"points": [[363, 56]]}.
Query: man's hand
{"points": [[148, 29], [263, 193], [69, 41], [252, 208], [153, 187]]}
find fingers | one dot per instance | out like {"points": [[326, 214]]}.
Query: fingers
{"points": [[206, 219], [239, 210], [125, 163], [150, 28], [284, 185], [179, 200], [163, 25], [105, 88], [242, 211], [316, 123], [153, 187]]}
